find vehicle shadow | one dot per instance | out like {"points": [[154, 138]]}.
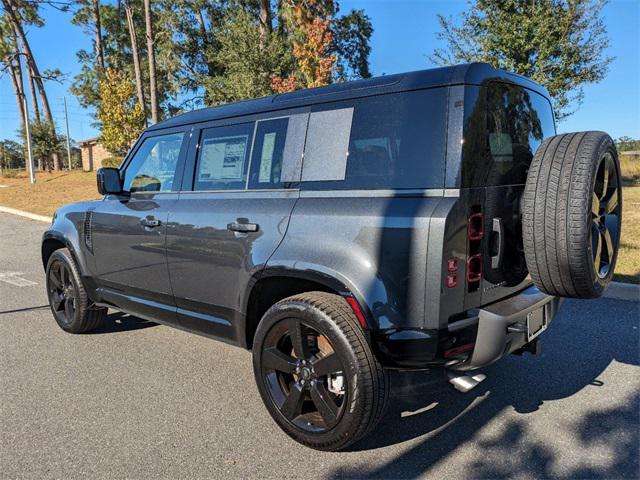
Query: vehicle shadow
{"points": [[578, 347], [121, 322]]}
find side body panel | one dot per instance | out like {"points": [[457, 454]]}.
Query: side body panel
{"points": [[211, 267]]}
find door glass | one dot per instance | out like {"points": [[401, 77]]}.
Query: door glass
{"points": [[268, 152], [222, 158], [153, 167]]}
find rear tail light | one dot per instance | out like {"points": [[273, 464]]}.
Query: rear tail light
{"points": [[475, 228], [475, 234], [474, 268]]}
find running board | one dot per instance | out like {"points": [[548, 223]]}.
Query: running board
{"points": [[463, 382]]}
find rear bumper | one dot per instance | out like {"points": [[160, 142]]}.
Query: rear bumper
{"points": [[502, 327]]}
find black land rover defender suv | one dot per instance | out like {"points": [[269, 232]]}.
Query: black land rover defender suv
{"points": [[423, 220]]}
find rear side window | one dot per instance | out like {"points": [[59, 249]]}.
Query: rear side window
{"points": [[153, 166], [387, 141], [504, 126], [223, 158]]}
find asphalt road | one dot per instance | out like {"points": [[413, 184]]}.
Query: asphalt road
{"points": [[139, 400]]}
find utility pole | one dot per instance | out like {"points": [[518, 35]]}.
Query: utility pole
{"points": [[32, 168], [66, 119]]}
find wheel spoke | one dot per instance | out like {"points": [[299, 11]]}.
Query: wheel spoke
{"points": [[595, 205], [54, 279], [68, 308], [612, 204], [298, 340], [597, 248], [57, 300], [63, 274], [326, 365], [608, 243], [292, 405], [274, 359], [325, 405]]}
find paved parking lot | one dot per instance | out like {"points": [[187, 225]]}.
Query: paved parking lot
{"points": [[139, 400]]}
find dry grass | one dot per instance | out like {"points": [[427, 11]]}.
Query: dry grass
{"points": [[630, 169], [55, 189], [628, 266], [50, 191]]}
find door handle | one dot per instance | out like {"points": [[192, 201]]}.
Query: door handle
{"points": [[498, 230], [150, 222], [242, 227]]}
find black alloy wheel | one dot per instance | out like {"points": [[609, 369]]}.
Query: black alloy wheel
{"points": [[71, 307], [304, 376], [316, 372], [63, 293], [605, 216]]}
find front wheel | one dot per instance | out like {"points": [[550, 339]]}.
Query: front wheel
{"points": [[316, 373], [68, 299]]}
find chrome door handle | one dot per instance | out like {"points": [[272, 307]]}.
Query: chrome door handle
{"points": [[242, 227], [150, 222]]}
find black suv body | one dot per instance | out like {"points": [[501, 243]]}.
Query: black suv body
{"points": [[400, 196]]}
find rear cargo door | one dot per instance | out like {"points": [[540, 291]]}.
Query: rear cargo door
{"points": [[504, 126]]}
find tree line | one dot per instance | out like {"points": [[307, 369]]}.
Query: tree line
{"points": [[153, 59], [150, 60]]}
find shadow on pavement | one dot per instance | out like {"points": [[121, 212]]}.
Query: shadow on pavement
{"points": [[121, 322], [581, 343], [25, 309]]}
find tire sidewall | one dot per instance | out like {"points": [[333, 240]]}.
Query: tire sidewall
{"points": [[64, 257], [342, 433]]}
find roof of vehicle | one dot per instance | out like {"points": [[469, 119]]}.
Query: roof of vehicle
{"points": [[465, 74]]}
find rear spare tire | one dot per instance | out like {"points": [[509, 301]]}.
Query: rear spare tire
{"points": [[572, 212]]}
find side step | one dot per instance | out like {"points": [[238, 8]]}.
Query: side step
{"points": [[463, 382]]}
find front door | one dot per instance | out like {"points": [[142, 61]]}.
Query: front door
{"points": [[232, 217], [129, 231]]}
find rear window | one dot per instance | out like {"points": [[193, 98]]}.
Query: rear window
{"points": [[387, 141], [504, 126]]}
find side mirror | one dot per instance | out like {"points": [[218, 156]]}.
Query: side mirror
{"points": [[108, 180]]}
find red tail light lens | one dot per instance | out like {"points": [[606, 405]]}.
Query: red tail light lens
{"points": [[475, 228], [474, 268]]}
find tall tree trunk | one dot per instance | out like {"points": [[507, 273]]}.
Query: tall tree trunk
{"points": [[18, 86], [265, 22], [153, 93], [31, 63], [98, 33], [136, 59], [32, 91]]}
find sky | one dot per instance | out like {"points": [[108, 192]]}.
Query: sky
{"points": [[404, 37]]}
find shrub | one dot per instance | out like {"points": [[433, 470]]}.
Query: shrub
{"points": [[112, 162]]}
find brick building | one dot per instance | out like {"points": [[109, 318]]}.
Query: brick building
{"points": [[93, 153]]}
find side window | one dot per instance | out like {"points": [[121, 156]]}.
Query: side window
{"points": [[388, 141], [276, 159], [153, 167], [223, 158], [268, 150]]}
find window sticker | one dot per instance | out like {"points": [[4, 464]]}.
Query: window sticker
{"points": [[266, 159], [223, 158]]}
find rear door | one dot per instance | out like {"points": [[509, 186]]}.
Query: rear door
{"points": [[232, 214], [505, 125]]}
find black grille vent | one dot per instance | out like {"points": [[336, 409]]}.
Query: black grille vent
{"points": [[88, 227]]}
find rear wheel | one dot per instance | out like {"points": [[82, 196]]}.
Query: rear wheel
{"points": [[316, 373], [572, 214], [70, 305]]}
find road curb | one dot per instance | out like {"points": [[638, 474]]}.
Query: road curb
{"points": [[21, 213], [623, 291]]}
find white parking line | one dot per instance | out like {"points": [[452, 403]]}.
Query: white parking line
{"points": [[13, 278]]}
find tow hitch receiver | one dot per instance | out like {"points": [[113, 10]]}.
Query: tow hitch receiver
{"points": [[463, 382]]}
